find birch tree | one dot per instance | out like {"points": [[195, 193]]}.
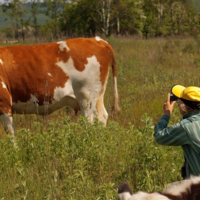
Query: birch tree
{"points": [[104, 10]]}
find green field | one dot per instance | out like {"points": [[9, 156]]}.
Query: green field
{"points": [[61, 156]]}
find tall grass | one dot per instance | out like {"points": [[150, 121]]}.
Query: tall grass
{"points": [[82, 161], [147, 69], [61, 156]]}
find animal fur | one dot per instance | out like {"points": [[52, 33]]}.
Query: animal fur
{"points": [[187, 190]]}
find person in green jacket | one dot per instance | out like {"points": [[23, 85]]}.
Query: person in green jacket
{"points": [[186, 133]]}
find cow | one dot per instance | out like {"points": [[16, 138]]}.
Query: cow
{"points": [[39, 79], [186, 190]]}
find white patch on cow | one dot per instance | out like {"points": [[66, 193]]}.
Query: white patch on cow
{"points": [[1, 62], [63, 45], [89, 77], [180, 190], [115, 88], [49, 74], [60, 92], [146, 196], [124, 196], [102, 113], [184, 186], [100, 39], [3, 85], [105, 111], [116, 97], [84, 86]]}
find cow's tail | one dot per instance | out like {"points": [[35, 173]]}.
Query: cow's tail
{"points": [[116, 108]]}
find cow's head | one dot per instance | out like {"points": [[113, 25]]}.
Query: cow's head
{"points": [[124, 191]]}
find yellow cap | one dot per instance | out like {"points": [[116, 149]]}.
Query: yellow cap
{"points": [[191, 93]]}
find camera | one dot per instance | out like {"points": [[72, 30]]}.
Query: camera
{"points": [[173, 97]]}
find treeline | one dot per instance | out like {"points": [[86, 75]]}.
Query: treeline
{"points": [[74, 18]]}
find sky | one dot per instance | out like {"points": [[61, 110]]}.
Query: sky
{"points": [[1, 1]]}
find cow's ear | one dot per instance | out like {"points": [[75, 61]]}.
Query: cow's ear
{"points": [[124, 191], [124, 187]]}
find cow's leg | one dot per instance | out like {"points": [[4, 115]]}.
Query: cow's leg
{"points": [[92, 105], [87, 102], [101, 110], [6, 109], [7, 121]]}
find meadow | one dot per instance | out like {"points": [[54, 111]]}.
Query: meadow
{"points": [[61, 156]]}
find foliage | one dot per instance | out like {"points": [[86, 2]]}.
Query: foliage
{"points": [[34, 10], [15, 11], [75, 18], [53, 10], [82, 161]]}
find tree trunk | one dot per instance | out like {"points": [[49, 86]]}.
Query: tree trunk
{"points": [[106, 16]]}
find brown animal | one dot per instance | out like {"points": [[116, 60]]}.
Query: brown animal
{"points": [[46, 77]]}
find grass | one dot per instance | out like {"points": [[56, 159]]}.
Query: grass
{"points": [[82, 161], [61, 156], [147, 69]]}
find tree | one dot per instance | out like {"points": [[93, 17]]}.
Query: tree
{"points": [[34, 11], [54, 9], [78, 19], [147, 17], [15, 11]]}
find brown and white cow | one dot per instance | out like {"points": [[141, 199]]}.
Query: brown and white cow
{"points": [[46, 77], [186, 190]]}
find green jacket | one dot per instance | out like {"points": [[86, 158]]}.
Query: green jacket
{"points": [[186, 134]]}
